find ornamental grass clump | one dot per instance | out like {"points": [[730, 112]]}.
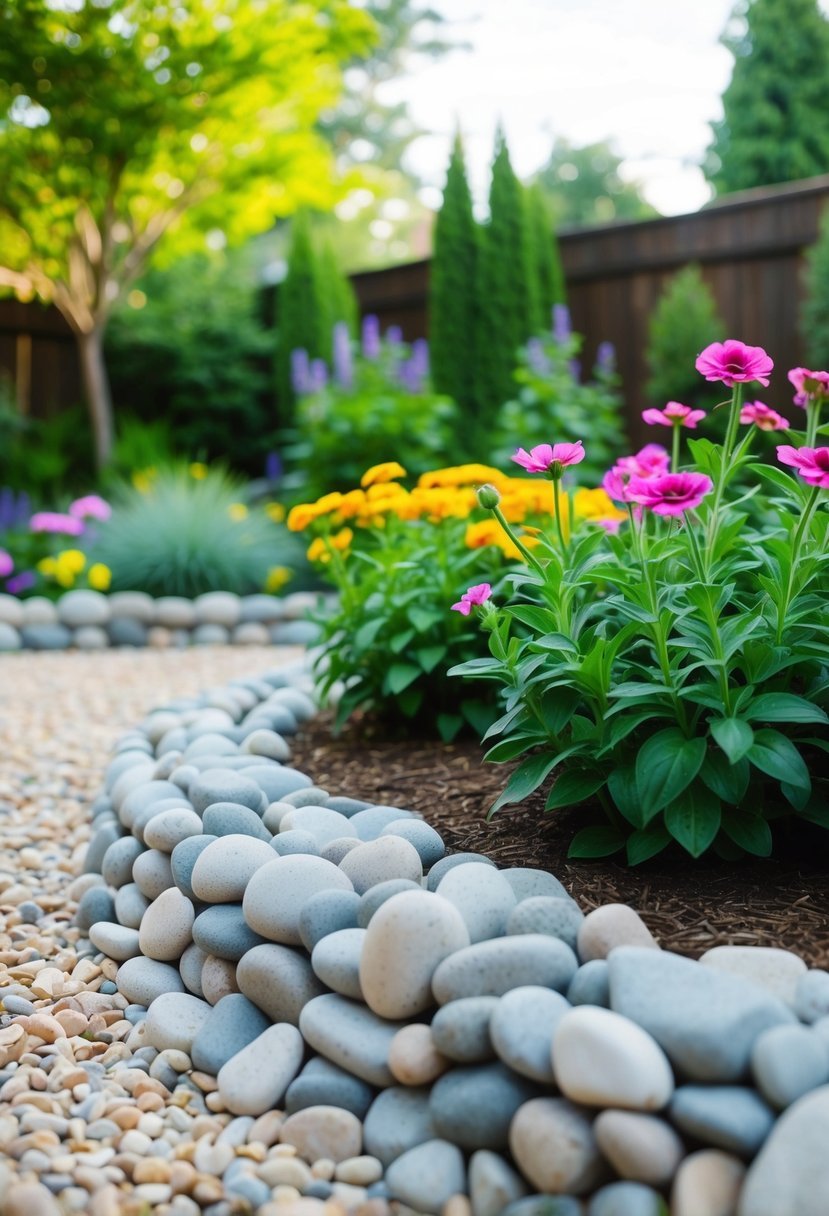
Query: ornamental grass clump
{"points": [[395, 555], [672, 670]]}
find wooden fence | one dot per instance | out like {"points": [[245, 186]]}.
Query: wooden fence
{"points": [[750, 248]]}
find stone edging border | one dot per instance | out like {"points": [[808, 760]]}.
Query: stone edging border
{"points": [[89, 620]]}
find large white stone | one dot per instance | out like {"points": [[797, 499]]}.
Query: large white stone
{"points": [[778, 971], [224, 869], [256, 1078], [276, 893], [603, 1059], [167, 926]]}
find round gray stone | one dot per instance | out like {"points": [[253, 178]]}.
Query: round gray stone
{"points": [[173, 1021], [398, 1120], [288, 844], [115, 941], [369, 823], [549, 914], [141, 980], [460, 1030], [325, 912], [218, 608], [425, 1177], [591, 984], [811, 996], [127, 633], [425, 839], [232, 1023], [168, 828], [475, 1105], [522, 1029], [10, 639], [483, 897], [377, 895], [90, 637], [322, 1083], [322, 824], [120, 857], [494, 967], [225, 785], [279, 980], [130, 905], [626, 1199], [174, 612], [183, 860], [442, 867], [132, 605], [350, 1035], [96, 904], [223, 870], [222, 930], [336, 961], [277, 893], [153, 873], [731, 1117], [528, 883], [267, 743], [492, 1183], [233, 819], [276, 781], [789, 1176], [45, 637], [787, 1062]]}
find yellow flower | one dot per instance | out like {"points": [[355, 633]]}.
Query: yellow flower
{"points": [[47, 566], [276, 579], [275, 512], [198, 470], [237, 512], [378, 474], [300, 517], [318, 551], [342, 540], [486, 532], [462, 475], [596, 504], [99, 576], [352, 505], [143, 479], [73, 560]]}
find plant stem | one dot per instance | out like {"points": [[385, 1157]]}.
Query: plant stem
{"points": [[812, 419], [675, 449], [557, 497], [800, 532], [695, 549], [519, 544], [725, 467]]}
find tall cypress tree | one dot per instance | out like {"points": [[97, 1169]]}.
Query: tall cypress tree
{"points": [[775, 124], [545, 263], [453, 288], [300, 320], [337, 298], [505, 304]]}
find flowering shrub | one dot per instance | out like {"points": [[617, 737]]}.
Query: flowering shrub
{"points": [[395, 555], [675, 672], [552, 399], [375, 402], [44, 551]]}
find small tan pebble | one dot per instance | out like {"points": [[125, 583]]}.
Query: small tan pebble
{"points": [[284, 1193], [151, 1124], [323, 1169], [265, 1130], [707, 1181], [285, 1171], [46, 1027], [457, 1205], [182, 1177], [609, 926], [152, 1193], [183, 1205], [283, 1150], [105, 1202], [126, 1117], [349, 1196], [205, 1082], [253, 1152], [152, 1169], [148, 1102], [215, 1103], [359, 1171], [371, 1207], [293, 1207], [30, 1199], [135, 1142], [179, 1061], [48, 983], [323, 1131], [413, 1059], [212, 1158], [207, 1190]]}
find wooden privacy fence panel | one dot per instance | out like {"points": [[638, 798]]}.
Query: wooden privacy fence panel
{"points": [[750, 248]]}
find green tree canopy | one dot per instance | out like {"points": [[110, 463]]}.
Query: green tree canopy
{"points": [[584, 186], [775, 124], [125, 120], [682, 324]]}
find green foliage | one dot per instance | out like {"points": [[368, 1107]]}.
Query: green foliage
{"points": [[583, 186], [684, 321], [194, 361], [508, 304], [677, 677], [44, 457], [775, 124], [185, 536], [453, 299], [551, 401], [365, 415], [544, 255], [814, 319], [141, 448]]}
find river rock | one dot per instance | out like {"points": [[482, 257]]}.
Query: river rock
{"points": [[381, 859], [369, 823], [426, 1177], [267, 743], [407, 939], [790, 1175], [95, 904], [231, 1025], [603, 1059], [116, 941], [642, 1148], [142, 797], [118, 860], [322, 1083], [553, 1145], [167, 926], [555, 916], [323, 1132], [168, 828], [130, 906], [153, 873], [778, 971], [336, 961], [522, 1027], [218, 608], [45, 637], [232, 819], [483, 897], [222, 930], [224, 868], [326, 912], [729, 1117], [190, 966], [351, 1036], [494, 967], [811, 996], [279, 980], [493, 1184], [322, 824], [277, 892], [474, 1105], [10, 639], [591, 984], [278, 781], [255, 1079], [788, 1061], [289, 843], [376, 896], [413, 1058], [173, 1021], [460, 1030], [141, 980], [707, 1183], [183, 860], [398, 1120], [425, 839], [11, 611], [704, 1019], [527, 883], [610, 926], [225, 785]]}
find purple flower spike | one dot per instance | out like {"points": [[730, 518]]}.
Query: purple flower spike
{"points": [[21, 582], [371, 337], [562, 327], [343, 362], [420, 356], [273, 466], [575, 369], [536, 359], [300, 372], [317, 376], [394, 335], [606, 358]]}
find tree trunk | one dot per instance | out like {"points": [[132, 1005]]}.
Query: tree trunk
{"points": [[98, 398]]}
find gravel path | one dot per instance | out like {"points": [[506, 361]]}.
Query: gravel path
{"points": [[72, 1125]]}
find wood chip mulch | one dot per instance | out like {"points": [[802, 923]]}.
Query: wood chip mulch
{"points": [[689, 906]]}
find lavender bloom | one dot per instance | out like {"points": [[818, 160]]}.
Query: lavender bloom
{"points": [[273, 466], [371, 337], [23, 510], [318, 376], [420, 357], [562, 328], [409, 376], [300, 372], [575, 369], [606, 358], [537, 361], [21, 582], [343, 362], [394, 335]]}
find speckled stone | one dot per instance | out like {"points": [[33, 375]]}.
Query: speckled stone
{"points": [[495, 967], [398, 1120], [231, 1025], [336, 961], [461, 1029], [224, 868], [474, 1105], [522, 1027], [277, 893], [222, 930], [326, 912], [141, 980]]}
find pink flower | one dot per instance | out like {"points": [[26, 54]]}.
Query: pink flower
{"points": [[764, 418], [6, 563], [649, 461], [734, 363], [546, 457], [90, 507], [808, 385], [674, 414], [478, 594], [53, 521], [811, 463], [670, 494], [615, 483], [609, 525]]}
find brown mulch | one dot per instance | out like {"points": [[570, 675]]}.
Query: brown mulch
{"points": [[689, 906]]}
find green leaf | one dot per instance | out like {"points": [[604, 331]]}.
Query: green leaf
{"points": [[400, 641], [783, 707], [665, 766], [647, 842], [733, 735], [410, 701], [366, 634], [448, 726], [511, 748], [816, 812], [400, 676], [477, 713], [693, 819], [600, 841], [796, 795], [429, 656], [554, 641], [749, 831], [622, 786], [423, 619], [728, 781], [777, 756], [574, 786], [557, 708], [526, 779], [539, 619]]}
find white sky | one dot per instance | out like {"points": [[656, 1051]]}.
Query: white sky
{"points": [[648, 74]]}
